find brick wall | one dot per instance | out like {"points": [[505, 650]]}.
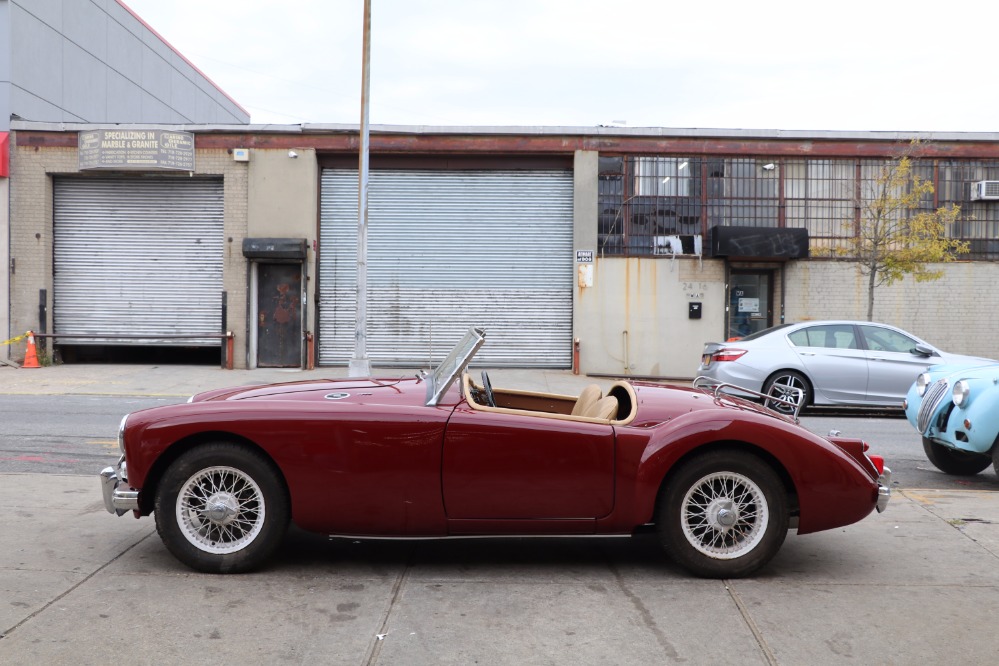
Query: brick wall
{"points": [[957, 313]]}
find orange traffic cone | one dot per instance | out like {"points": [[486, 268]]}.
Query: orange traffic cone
{"points": [[31, 355]]}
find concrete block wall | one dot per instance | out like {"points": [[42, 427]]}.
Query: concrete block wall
{"points": [[31, 232], [234, 267], [958, 313]]}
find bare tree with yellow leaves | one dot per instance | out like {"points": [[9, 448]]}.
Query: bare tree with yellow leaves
{"points": [[895, 238]]}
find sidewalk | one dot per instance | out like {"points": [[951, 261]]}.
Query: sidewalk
{"points": [[918, 584]]}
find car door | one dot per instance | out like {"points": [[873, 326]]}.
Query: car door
{"points": [[834, 361], [893, 362], [516, 466]]}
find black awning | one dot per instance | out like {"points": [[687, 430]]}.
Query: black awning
{"points": [[274, 248], [758, 243]]}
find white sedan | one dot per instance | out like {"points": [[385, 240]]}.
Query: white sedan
{"points": [[825, 363]]}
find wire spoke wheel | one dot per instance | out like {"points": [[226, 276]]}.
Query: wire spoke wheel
{"points": [[724, 515], [220, 509]]}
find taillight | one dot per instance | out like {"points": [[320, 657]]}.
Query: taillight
{"points": [[727, 354], [879, 463]]}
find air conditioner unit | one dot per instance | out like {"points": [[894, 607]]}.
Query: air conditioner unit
{"points": [[673, 245], [985, 190]]}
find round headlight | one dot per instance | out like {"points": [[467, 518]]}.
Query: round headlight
{"points": [[961, 392], [922, 381], [121, 433]]}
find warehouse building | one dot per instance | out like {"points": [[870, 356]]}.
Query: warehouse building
{"points": [[616, 251]]}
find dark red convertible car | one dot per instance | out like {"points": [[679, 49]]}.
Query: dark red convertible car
{"points": [[720, 479]]}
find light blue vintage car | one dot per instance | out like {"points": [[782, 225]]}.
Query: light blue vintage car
{"points": [[956, 410]]}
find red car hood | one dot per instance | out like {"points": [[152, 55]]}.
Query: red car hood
{"points": [[409, 391]]}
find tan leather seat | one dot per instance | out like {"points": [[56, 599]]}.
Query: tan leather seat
{"points": [[605, 408], [586, 399]]}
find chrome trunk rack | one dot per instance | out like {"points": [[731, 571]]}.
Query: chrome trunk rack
{"points": [[716, 387]]}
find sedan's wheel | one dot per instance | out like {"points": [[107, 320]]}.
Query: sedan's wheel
{"points": [[221, 508], [952, 461], [723, 515], [786, 385]]}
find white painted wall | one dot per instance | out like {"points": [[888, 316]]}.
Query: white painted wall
{"points": [[634, 319]]}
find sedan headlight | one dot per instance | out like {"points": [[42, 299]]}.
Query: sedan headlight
{"points": [[922, 381], [961, 393]]}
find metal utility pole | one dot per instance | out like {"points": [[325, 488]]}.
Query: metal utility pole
{"points": [[360, 366]]}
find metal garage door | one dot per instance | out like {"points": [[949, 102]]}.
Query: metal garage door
{"points": [[138, 257], [446, 250]]}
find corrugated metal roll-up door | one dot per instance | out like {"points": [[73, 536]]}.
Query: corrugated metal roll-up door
{"points": [[448, 250], [138, 257]]}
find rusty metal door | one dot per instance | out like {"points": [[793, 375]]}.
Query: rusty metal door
{"points": [[279, 315]]}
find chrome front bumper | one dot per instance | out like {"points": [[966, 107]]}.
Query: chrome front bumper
{"points": [[884, 490], [118, 496]]}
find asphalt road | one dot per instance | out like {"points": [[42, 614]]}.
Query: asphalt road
{"points": [[64, 434], [76, 434]]}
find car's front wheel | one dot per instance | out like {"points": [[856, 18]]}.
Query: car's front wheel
{"points": [[724, 514], [222, 508], [787, 385], [952, 461]]}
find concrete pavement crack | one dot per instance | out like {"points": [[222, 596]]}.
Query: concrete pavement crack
{"points": [[768, 654], [376, 647]]}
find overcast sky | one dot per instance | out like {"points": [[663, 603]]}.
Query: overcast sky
{"points": [[772, 64]]}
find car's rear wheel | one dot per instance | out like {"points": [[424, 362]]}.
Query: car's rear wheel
{"points": [[222, 508], [724, 514], [786, 384], [952, 461]]}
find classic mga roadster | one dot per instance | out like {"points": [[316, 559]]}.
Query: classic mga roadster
{"points": [[719, 478]]}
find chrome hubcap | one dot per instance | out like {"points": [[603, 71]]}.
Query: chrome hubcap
{"points": [[726, 517], [221, 508]]}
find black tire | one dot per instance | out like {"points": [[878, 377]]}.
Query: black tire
{"points": [[724, 514], [246, 520], [951, 461], [780, 385]]}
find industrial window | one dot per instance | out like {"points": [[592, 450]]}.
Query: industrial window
{"points": [[820, 196], [647, 204]]}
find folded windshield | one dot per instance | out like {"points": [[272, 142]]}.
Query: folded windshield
{"points": [[450, 368]]}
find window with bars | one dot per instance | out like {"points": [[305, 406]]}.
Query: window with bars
{"points": [[645, 199]]}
